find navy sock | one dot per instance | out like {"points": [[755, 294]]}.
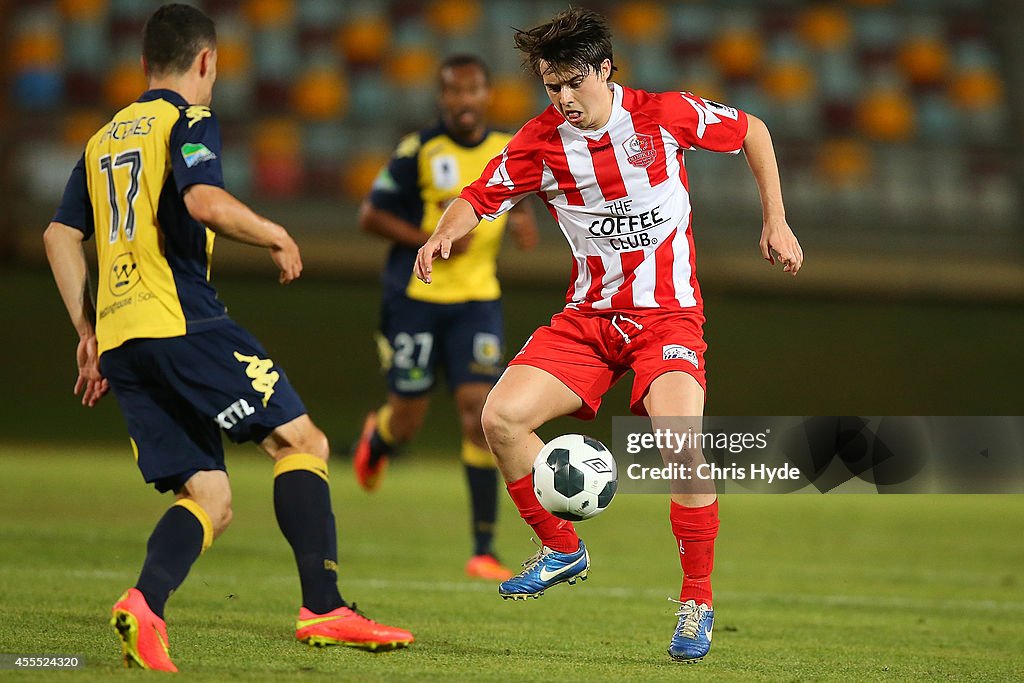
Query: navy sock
{"points": [[302, 502], [174, 545], [483, 495]]}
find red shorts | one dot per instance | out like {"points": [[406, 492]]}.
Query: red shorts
{"points": [[589, 352]]}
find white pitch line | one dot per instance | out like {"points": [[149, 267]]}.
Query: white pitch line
{"points": [[613, 592], [625, 593]]}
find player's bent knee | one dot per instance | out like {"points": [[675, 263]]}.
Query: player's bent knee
{"points": [[501, 422], [298, 436], [212, 493], [207, 496], [219, 514], [316, 444]]}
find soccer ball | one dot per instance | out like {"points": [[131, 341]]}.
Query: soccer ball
{"points": [[574, 477]]}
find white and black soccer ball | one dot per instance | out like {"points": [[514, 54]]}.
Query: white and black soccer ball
{"points": [[574, 477]]}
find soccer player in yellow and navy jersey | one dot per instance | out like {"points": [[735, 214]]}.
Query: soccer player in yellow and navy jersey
{"points": [[457, 326], [149, 190]]}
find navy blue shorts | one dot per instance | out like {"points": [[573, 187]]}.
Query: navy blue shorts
{"points": [[465, 340], [177, 394]]}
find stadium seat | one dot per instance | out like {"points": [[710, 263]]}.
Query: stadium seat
{"points": [[324, 79], [320, 93], [642, 22], [454, 17], [277, 159], [825, 27], [512, 103], [364, 40], [269, 13], [360, 171]]}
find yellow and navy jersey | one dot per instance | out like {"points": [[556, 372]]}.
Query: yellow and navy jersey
{"points": [[427, 171], [154, 258]]}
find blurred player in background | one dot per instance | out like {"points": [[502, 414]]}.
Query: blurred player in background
{"points": [[456, 325], [150, 187], [607, 160]]}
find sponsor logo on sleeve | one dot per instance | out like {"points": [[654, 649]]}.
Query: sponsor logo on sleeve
{"points": [[708, 112], [384, 182], [196, 153]]}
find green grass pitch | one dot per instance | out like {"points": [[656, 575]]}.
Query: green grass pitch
{"points": [[839, 587]]}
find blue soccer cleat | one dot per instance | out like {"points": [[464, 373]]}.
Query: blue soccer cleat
{"points": [[546, 569], [692, 638]]}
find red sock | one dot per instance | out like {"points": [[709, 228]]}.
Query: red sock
{"points": [[695, 529], [557, 534]]}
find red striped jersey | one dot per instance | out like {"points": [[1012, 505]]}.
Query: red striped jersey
{"points": [[619, 194]]}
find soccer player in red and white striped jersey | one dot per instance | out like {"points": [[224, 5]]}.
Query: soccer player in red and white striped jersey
{"points": [[608, 161]]}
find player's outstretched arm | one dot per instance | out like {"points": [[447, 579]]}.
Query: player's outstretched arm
{"points": [[67, 261], [219, 210], [456, 222], [374, 221], [383, 223], [776, 235]]}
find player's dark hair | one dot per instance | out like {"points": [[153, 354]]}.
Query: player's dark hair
{"points": [[174, 35], [466, 59], [576, 40]]}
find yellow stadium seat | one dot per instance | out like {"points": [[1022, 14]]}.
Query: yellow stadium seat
{"points": [[83, 10], [976, 88], [411, 66], [320, 94], [233, 57], [359, 172], [788, 81], [640, 21], [825, 27], [844, 162], [276, 137], [277, 158], [887, 115], [270, 13], [737, 53], [78, 126], [454, 16], [364, 40], [125, 83], [36, 49], [925, 60], [512, 103]]}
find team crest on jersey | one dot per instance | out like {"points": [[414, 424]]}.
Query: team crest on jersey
{"points": [[678, 352], [640, 150], [446, 172]]}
